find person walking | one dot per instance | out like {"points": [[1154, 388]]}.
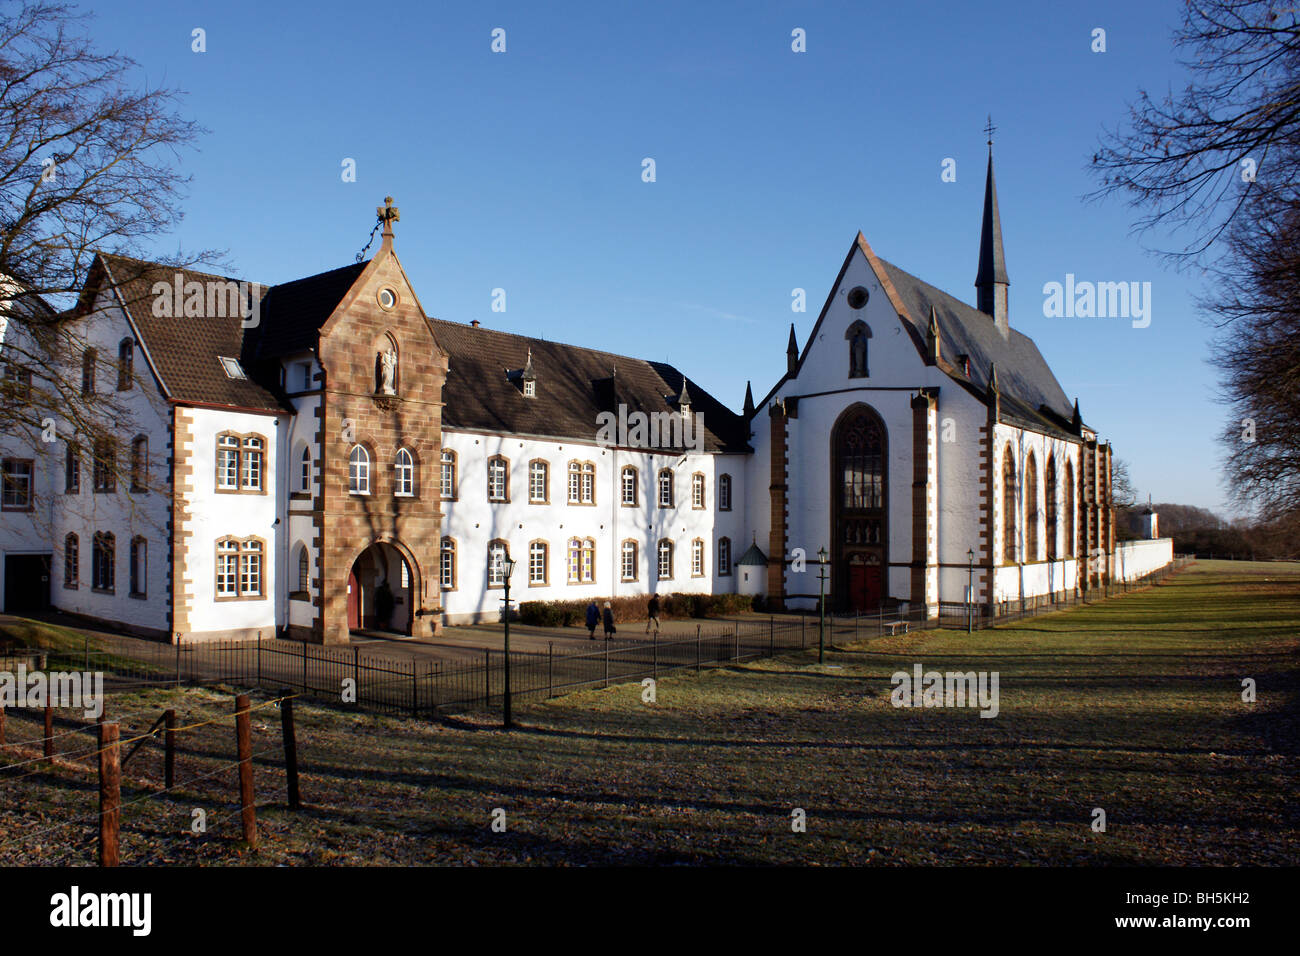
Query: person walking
{"points": [[593, 618], [609, 622], [653, 608]]}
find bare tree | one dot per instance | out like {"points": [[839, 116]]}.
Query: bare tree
{"points": [[1191, 159], [88, 163]]}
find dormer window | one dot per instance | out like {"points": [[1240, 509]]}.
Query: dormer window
{"points": [[963, 361], [530, 388]]}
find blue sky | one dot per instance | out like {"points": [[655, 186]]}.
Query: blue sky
{"points": [[522, 171]]}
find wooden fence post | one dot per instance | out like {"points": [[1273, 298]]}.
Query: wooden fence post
{"points": [[169, 748], [49, 730], [244, 748], [110, 793], [290, 748]]}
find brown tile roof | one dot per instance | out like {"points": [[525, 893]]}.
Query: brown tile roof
{"points": [[574, 385], [293, 312], [186, 350]]}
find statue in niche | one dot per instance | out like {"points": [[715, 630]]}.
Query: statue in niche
{"points": [[388, 372], [858, 353]]}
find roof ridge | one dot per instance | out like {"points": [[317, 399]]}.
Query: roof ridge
{"points": [[162, 265]]}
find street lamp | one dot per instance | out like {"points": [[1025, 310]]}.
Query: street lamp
{"points": [[507, 568], [821, 607], [970, 591]]}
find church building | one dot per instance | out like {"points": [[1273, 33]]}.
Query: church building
{"points": [[322, 456]]}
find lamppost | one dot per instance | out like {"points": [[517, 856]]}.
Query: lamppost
{"points": [[507, 568], [821, 607], [970, 591]]}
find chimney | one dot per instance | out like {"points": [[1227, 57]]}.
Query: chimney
{"points": [[474, 323]]}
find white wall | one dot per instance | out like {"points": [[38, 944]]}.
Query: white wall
{"points": [[1135, 558]]}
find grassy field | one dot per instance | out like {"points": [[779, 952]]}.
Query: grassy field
{"points": [[1133, 706]]}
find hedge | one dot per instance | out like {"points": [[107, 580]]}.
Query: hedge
{"points": [[676, 606]]}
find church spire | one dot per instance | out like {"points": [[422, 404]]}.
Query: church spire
{"points": [[749, 401], [791, 353], [991, 282]]}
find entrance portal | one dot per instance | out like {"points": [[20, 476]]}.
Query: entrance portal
{"points": [[381, 595], [27, 583]]}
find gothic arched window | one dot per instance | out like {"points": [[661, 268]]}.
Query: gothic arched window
{"points": [[1049, 488], [1069, 509], [1031, 508]]}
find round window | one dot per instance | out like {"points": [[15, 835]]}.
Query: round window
{"points": [[387, 298], [857, 297]]}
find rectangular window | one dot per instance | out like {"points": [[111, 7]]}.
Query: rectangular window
{"points": [[139, 567], [629, 486], [724, 493], [71, 561], [250, 569], [103, 563], [447, 565], [228, 462], [496, 564], [105, 466], [447, 488], [697, 558], [498, 486], [629, 560], [72, 471], [724, 556], [227, 566], [697, 491], [304, 372], [537, 482], [252, 471], [666, 488], [537, 563], [17, 481]]}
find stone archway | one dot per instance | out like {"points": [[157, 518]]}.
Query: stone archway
{"points": [[859, 510], [383, 564]]}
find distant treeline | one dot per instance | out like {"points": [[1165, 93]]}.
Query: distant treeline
{"points": [[1206, 535]]}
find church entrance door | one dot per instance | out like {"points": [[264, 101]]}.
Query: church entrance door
{"points": [[859, 505]]}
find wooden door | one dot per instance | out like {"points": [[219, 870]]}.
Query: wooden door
{"points": [[354, 601]]}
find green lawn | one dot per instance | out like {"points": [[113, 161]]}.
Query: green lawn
{"points": [[1132, 706]]}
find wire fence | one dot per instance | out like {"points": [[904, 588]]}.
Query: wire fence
{"points": [[416, 687]]}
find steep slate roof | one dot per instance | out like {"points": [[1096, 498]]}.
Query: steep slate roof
{"points": [[293, 312], [184, 351], [1025, 381], [574, 385]]}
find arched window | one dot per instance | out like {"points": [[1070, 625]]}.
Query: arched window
{"points": [[359, 471], [1069, 509], [628, 562], [1009, 507], [304, 471], [251, 472], [103, 572], [404, 474], [628, 485], [724, 557], [724, 492], [447, 564], [88, 359], [125, 365], [447, 482], [250, 568], [582, 560], [697, 558], [1049, 489], [139, 567], [71, 561], [228, 568], [227, 462], [539, 481], [498, 479], [697, 491], [140, 463], [582, 483], [304, 570], [538, 564], [72, 471], [105, 477], [665, 552], [666, 488], [1031, 508]]}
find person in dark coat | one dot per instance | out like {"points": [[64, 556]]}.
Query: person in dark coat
{"points": [[653, 608], [609, 622], [593, 618]]}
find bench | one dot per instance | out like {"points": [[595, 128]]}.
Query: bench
{"points": [[895, 626]]}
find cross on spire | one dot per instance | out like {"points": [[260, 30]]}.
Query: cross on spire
{"points": [[388, 214], [990, 129]]}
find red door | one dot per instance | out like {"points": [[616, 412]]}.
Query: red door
{"points": [[857, 587], [354, 601], [871, 588]]}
